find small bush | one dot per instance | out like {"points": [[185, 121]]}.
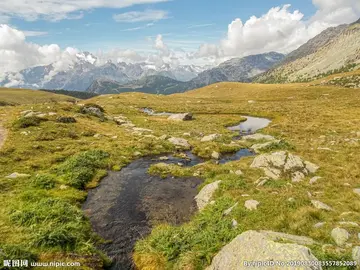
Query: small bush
{"points": [[44, 181], [78, 170], [31, 121], [66, 120]]}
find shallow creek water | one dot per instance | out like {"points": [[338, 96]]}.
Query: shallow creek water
{"points": [[128, 203]]}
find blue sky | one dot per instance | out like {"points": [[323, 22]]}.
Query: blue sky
{"points": [[189, 24]]}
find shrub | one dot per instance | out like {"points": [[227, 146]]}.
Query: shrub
{"points": [[44, 181], [25, 122], [78, 170], [66, 120]]}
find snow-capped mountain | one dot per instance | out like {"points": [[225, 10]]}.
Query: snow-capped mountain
{"points": [[84, 70]]}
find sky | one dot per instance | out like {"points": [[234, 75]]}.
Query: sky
{"points": [[201, 32]]}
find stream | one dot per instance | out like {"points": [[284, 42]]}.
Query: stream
{"points": [[128, 203]]}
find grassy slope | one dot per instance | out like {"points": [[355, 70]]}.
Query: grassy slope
{"points": [[23, 96], [300, 114]]}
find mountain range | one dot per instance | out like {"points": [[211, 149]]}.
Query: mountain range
{"points": [[336, 49]]}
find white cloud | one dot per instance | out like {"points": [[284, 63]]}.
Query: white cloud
{"points": [[141, 16], [17, 54], [161, 46], [60, 9], [280, 29]]}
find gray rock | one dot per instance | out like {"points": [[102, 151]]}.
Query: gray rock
{"points": [[234, 223], [205, 194], [319, 224], [17, 175], [251, 204], [297, 176], [210, 138], [340, 236], [278, 236], [321, 205], [252, 246], [293, 163], [356, 254], [215, 155], [181, 117], [228, 211], [93, 111], [179, 142], [314, 179], [258, 137], [260, 146], [311, 167]]}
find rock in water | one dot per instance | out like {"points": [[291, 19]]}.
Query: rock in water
{"points": [[252, 246], [181, 117], [215, 155], [205, 194], [340, 236]]}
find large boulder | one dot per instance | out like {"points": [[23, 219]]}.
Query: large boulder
{"points": [[181, 117], [205, 194], [256, 247], [281, 163]]}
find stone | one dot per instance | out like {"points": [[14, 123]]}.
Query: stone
{"points": [[251, 204], [319, 224], [340, 236], [321, 205], [239, 172], [293, 163], [210, 138], [97, 135], [314, 179], [279, 236], [181, 117], [120, 120], [357, 191], [291, 200], [187, 134], [252, 246], [163, 158], [234, 223], [356, 254], [137, 153], [311, 167], [228, 211], [297, 176], [17, 175], [179, 142], [260, 146], [66, 120], [92, 110], [258, 137], [215, 155], [163, 137], [205, 194]]}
